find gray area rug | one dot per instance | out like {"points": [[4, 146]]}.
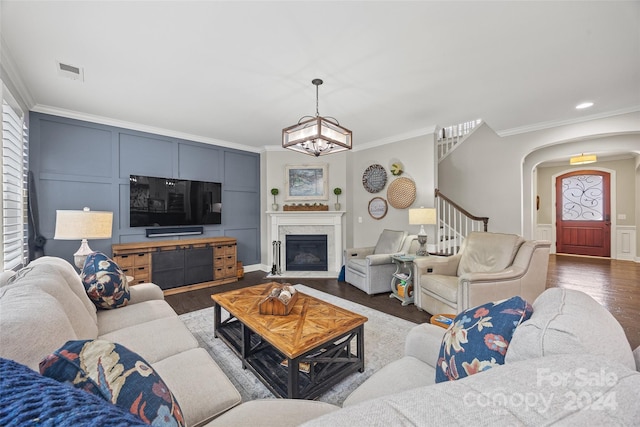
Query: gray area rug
{"points": [[383, 339]]}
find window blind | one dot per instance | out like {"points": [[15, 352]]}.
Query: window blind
{"points": [[14, 189]]}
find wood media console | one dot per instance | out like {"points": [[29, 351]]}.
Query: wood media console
{"points": [[179, 265]]}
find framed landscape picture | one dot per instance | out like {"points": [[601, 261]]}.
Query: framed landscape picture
{"points": [[306, 182]]}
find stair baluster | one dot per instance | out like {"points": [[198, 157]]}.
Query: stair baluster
{"points": [[449, 137], [454, 224]]}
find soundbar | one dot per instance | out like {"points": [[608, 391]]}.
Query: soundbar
{"points": [[174, 231]]}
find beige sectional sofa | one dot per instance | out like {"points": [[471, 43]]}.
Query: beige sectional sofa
{"points": [[570, 363], [45, 305]]}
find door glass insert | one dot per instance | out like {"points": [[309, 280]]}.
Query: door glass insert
{"points": [[582, 198]]}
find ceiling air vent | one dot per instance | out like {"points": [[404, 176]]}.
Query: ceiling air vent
{"points": [[70, 71]]}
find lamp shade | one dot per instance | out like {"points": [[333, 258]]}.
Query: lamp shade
{"points": [[583, 159], [84, 224], [420, 216]]}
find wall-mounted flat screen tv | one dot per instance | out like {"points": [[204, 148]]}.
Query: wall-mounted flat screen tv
{"points": [[159, 202]]}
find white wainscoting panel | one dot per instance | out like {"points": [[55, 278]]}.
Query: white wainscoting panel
{"points": [[545, 232], [626, 242]]}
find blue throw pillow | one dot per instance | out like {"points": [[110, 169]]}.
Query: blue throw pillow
{"points": [[105, 283], [116, 374], [478, 338], [29, 399]]}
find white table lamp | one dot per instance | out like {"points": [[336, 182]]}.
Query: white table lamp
{"points": [[421, 216], [83, 225]]}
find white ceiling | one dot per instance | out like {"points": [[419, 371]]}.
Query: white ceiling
{"points": [[237, 72]]}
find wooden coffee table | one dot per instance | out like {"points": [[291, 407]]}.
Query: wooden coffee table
{"points": [[300, 355]]}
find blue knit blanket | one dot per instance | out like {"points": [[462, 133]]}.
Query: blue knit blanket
{"points": [[30, 399]]}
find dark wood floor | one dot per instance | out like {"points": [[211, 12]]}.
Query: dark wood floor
{"points": [[614, 284]]}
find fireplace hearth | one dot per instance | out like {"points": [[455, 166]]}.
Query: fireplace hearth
{"points": [[306, 252], [329, 223]]}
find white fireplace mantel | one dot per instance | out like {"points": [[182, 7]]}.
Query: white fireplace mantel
{"points": [[309, 222]]}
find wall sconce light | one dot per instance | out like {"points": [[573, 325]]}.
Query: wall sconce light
{"points": [[583, 159]]}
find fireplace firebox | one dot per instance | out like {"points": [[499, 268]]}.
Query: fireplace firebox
{"points": [[306, 252]]}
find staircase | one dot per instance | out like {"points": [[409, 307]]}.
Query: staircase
{"points": [[454, 222], [449, 137]]}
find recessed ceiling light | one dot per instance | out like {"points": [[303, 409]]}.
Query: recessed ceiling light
{"points": [[584, 105]]}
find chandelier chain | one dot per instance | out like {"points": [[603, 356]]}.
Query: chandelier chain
{"points": [[317, 83]]}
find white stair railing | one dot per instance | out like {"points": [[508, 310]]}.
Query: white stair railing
{"points": [[454, 224], [449, 137]]}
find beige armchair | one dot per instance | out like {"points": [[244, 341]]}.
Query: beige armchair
{"points": [[488, 267], [370, 268]]}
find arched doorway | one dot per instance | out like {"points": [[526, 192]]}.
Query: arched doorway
{"points": [[583, 213]]}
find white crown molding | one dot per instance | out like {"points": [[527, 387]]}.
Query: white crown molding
{"points": [[9, 67], [39, 108], [553, 124]]}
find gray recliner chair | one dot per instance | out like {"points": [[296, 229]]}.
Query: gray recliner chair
{"points": [[370, 268]]}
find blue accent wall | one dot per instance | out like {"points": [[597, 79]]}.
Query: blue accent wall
{"points": [[77, 164]]}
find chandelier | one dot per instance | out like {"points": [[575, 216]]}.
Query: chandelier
{"points": [[316, 136]]}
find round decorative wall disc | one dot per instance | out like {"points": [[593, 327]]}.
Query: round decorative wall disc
{"points": [[374, 178], [377, 208], [401, 193]]}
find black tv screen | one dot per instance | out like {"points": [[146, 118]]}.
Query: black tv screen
{"points": [[159, 202]]}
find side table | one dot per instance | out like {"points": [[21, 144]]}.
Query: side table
{"points": [[402, 279]]}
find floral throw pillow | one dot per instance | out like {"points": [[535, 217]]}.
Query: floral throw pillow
{"points": [[116, 374], [478, 338], [105, 283]]}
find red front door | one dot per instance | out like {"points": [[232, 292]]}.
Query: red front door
{"points": [[583, 217]]}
